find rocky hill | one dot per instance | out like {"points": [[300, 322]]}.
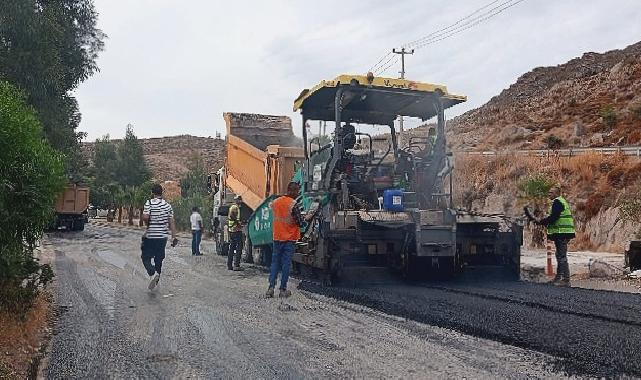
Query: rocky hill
{"points": [[169, 157], [593, 100]]}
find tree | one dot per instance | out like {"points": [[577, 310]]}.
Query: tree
{"points": [[195, 180], [141, 194], [102, 175], [132, 167], [31, 177], [193, 187], [47, 48]]}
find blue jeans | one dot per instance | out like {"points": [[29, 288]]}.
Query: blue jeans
{"points": [[282, 254], [196, 237]]}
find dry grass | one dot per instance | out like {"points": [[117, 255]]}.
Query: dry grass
{"points": [[592, 182], [20, 340]]}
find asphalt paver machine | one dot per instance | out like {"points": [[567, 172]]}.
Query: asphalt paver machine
{"points": [[381, 204]]}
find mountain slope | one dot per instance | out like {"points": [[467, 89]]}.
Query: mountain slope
{"points": [[593, 100]]}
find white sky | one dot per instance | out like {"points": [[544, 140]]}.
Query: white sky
{"points": [[173, 67]]}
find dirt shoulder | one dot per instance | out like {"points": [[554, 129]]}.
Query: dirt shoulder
{"points": [[23, 341]]}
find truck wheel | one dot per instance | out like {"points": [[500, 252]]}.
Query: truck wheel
{"points": [[79, 225]]}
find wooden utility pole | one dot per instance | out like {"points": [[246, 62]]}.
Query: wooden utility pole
{"points": [[402, 52]]}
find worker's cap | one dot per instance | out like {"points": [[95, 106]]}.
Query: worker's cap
{"points": [[238, 198]]}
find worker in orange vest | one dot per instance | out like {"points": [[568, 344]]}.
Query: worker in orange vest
{"points": [[287, 222]]}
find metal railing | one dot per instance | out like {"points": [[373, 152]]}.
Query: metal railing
{"points": [[568, 152]]}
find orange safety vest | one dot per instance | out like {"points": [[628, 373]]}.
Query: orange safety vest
{"points": [[284, 227]]}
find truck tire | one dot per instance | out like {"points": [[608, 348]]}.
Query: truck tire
{"points": [[79, 225]]}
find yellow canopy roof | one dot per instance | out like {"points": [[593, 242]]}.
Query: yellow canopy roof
{"points": [[380, 100]]}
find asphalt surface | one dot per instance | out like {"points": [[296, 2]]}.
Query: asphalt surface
{"points": [[206, 322]]}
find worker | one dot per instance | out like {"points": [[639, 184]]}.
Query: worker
{"points": [[286, 231], [560, 229], [235, 228], [431, 139]]}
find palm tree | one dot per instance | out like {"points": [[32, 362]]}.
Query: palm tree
{"points": [[120, 199], [140, 197], [130, 199]]}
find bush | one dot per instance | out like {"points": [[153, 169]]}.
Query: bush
{"points": [[536, 187], [31, 177], [182, 211], [553, 142], [609, 116]]}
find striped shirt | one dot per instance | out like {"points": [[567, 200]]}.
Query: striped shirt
{"points": [[159, 212]]}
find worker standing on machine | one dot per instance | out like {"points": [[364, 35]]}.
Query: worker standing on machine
{"points": [[286, 231]]}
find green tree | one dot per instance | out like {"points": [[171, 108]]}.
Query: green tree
{"points": [[47, 48], [193, 187], [141, 194], [194, 182], [132, 167], [102, 174], [31, 177]]}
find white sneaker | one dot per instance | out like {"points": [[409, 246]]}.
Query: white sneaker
{"points": [[154, 281]]}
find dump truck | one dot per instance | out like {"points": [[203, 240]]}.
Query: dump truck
{"points": [[261, 158], [391, 208], [71, 208]]}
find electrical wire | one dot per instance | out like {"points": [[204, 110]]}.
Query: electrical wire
{"points": [[465, 23]]}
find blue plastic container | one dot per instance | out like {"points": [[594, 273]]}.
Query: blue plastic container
{"points": [[393, 200]]}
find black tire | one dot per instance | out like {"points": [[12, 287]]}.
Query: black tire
{"points": [[79, 225]]}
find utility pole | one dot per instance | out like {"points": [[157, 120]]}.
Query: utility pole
{"points": [[402, 52]]}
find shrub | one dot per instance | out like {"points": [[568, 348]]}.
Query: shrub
{"points": [[608, 116], [536, 187], [31, 176], [636, 111], [553, 142]]}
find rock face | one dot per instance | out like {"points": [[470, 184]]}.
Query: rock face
{"points": [[169, 157], [592, 100]]}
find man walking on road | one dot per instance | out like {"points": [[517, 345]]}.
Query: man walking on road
{"points": [[196, 231], [286, 231], [235, 227], [159, 217], [560, 229]]}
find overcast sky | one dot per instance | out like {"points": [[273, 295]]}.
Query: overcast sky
{"points": [[173, 67]]}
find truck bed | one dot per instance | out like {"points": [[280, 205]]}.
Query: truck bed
{"points": [[261, 155]]}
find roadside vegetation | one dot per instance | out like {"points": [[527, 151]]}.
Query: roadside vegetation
{"points": [[47, 48], [599, 188], [194, 193], [119, 177]]}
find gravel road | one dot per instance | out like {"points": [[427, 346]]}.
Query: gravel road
{"points": [[206, 322]]}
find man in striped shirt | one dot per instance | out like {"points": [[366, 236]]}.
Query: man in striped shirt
{"points": [[159, 217]]}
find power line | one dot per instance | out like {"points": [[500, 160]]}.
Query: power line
{"points": [[465, 23], [468, 25], [447, 28]]}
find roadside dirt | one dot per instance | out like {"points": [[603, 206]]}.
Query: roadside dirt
{"points": [[21, 341]]}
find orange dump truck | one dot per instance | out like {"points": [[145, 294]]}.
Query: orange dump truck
{"points": [[260, 159], [71, 208]]}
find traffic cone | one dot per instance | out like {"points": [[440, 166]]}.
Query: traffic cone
{"points": [[549, 269]]}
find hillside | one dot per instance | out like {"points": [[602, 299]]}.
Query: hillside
{"points": [[168, 157], [593, 100]]}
